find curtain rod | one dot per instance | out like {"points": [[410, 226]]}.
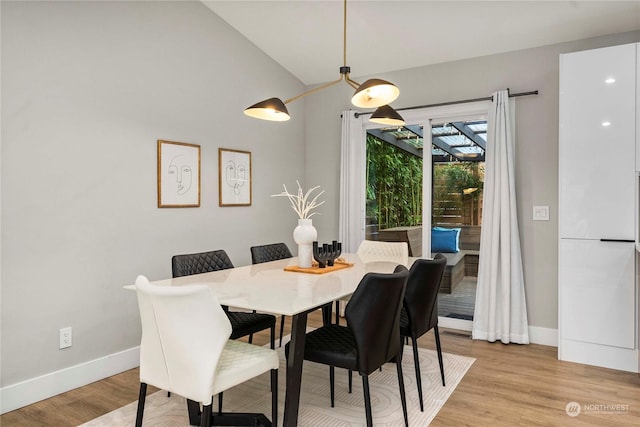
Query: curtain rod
{"points": [[464, 101]]}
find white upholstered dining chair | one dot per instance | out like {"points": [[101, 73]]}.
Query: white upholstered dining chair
{"points": [[377, 251], [185, 347]]}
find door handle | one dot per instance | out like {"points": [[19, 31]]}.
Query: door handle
{"points": [[618, 240]]}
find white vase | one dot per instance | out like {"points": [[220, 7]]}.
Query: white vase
{"points": [[304, 235]]}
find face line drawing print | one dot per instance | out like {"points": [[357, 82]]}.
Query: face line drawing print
{"points": [[183, 175], [235, 176]]}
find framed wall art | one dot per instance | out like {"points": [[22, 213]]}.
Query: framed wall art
{"points": [[234, 177], [178, 175]]}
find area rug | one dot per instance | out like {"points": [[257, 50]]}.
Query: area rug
{"points": [[315, 408]]}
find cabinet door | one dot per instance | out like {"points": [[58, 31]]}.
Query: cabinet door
{"points": [[597, 292], [597, 143]]}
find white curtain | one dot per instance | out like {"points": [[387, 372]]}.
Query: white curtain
{"points": [[352, 182], [500, 310]]}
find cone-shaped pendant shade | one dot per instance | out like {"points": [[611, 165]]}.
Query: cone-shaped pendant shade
{"points": [[386, 115], [272, 109], [374, 93]]}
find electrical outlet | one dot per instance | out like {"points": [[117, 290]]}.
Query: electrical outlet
{"points": [[541, 213], [66, 335]]}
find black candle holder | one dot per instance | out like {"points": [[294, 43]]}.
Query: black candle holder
{"points": [[326, 254]]}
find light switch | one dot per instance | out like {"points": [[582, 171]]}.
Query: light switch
{"points": [[541, 213]]}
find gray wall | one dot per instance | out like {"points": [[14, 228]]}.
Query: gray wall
{"points": [[536, 144], [87, 90]]}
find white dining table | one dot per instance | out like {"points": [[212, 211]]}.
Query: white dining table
{"points": [[268, 288]]}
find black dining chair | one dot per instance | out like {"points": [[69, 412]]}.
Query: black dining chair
{"points": [[271, 252], [242, 324], [420, 308], [371, 337]]}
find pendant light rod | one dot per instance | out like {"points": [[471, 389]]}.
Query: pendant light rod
{"points": [[344, 35], [344, 70], [345, 67]]}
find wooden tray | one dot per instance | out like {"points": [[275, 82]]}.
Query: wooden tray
{"points": [[317, 270]]}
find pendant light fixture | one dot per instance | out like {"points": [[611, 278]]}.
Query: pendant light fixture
{"points": [[386, 115], [373, 93]]}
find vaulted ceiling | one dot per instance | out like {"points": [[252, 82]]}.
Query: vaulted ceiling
{"points": [[306, 36]]}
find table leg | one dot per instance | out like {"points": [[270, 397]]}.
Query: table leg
{"points": [[294, 369], [326, 314]]}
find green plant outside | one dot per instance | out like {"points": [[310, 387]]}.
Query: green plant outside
{"points": [[460, 176], [394, 185]]}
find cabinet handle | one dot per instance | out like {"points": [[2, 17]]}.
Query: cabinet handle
{"points": [[618, 240]]}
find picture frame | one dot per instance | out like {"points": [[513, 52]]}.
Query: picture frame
{"points": [[234, 177], [178, 175]]}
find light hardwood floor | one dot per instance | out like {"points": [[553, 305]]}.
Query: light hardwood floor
{"points": [[508, 385]]}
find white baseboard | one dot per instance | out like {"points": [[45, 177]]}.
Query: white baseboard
{"points": [[36, 389], [543, 336], [451, 323], [537, 335]]}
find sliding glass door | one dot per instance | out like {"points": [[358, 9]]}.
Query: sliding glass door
{"points": [[458, 151], [408, 190]]}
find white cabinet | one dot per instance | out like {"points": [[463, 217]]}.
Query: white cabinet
{"points": [[597, 173], [598, 292], [597, 143]]}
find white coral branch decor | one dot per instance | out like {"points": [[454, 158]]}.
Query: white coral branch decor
{"points": [[300, 202]]}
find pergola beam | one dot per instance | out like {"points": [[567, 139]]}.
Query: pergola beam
{"points": [[437, 141], [390, 139], [470, 134]]}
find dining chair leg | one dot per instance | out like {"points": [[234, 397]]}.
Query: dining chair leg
{"points": [[205, 418], [350, 380], [274, 397], [403, 397], [250, 338], [367, 400], [272, 342], [416, 362], [281, 329], [439, 350], [193, 409], [220, 402], [141, 398], [337, 312], [332, 383]]}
